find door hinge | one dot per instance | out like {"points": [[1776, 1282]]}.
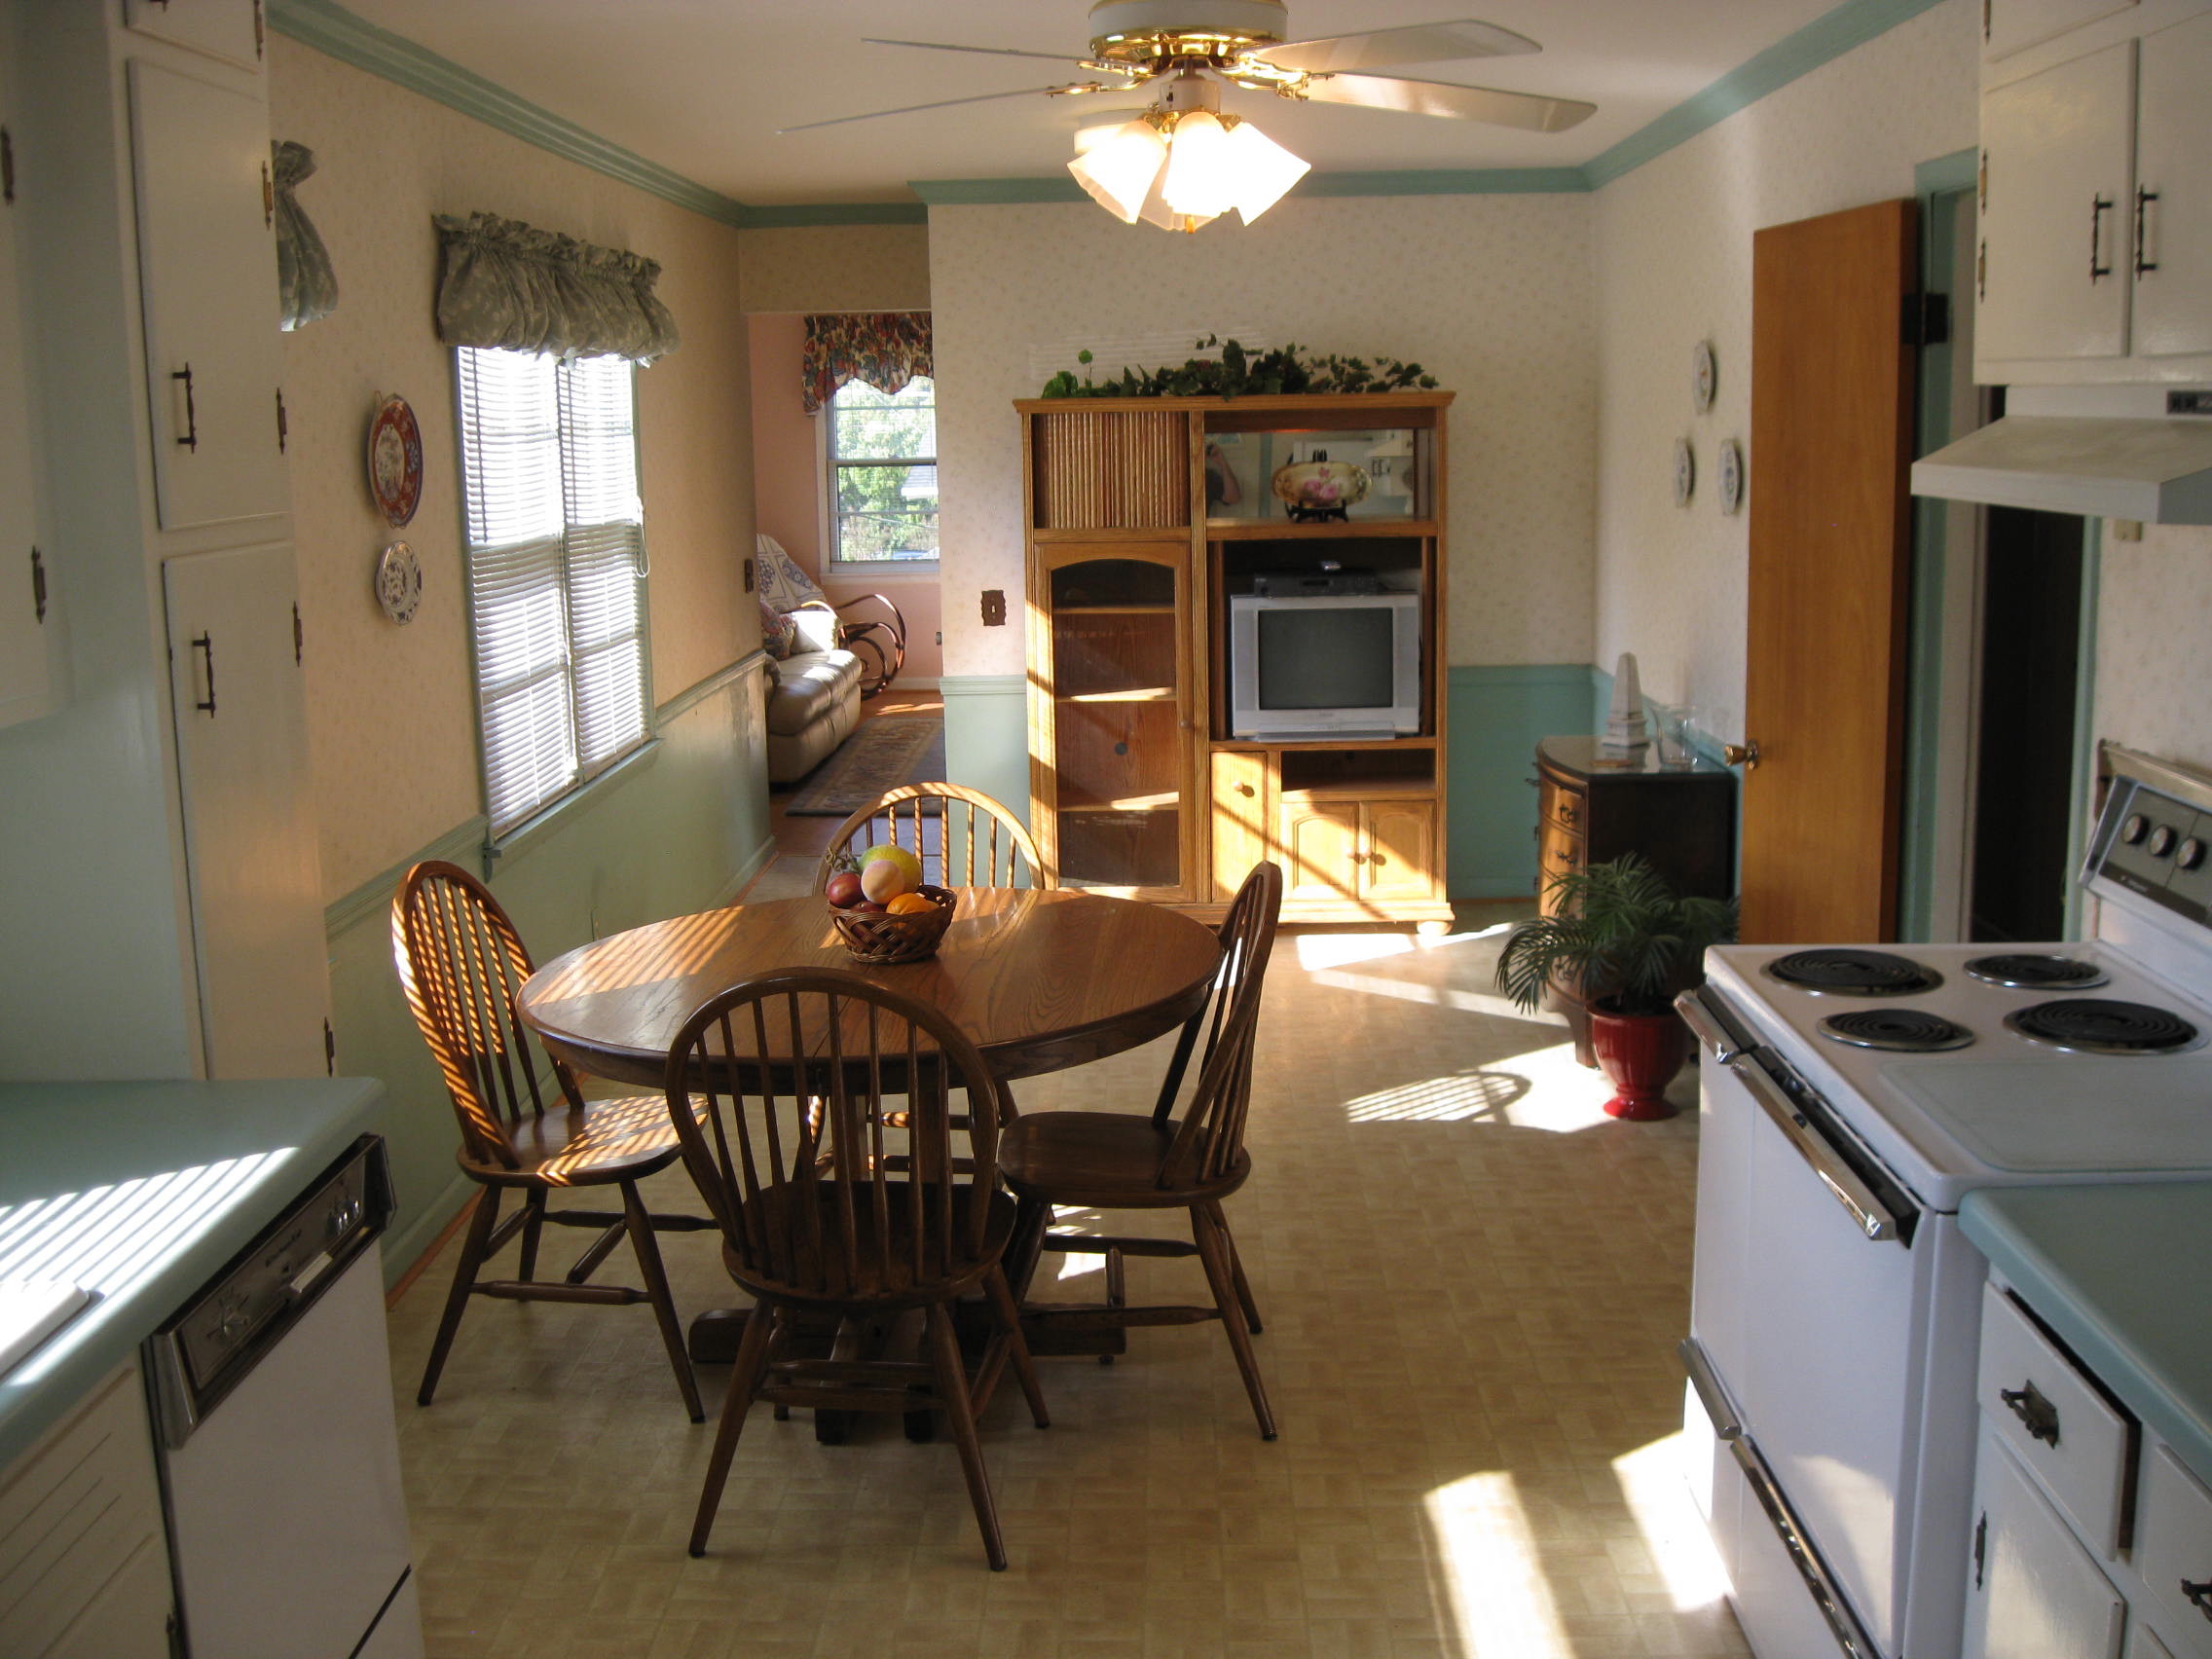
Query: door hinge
{"points": [[1981, 1545], [7, 167], [261, 30], [284, 423], [299, 636], [1985, 10], [38, 584], [1926, 320], [268, 199], [329, 1049]]}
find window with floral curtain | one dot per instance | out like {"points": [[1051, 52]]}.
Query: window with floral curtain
{"points": [[868, 373]]}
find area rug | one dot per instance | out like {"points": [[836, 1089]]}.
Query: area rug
{"points": [[884, 753]]}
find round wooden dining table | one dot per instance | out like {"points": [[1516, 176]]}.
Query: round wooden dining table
{"points": [[1038, 979]]}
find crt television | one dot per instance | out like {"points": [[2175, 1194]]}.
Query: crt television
{"points": [[1324, 665]]}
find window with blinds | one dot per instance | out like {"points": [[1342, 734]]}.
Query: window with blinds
{"points": [[556, 570]]}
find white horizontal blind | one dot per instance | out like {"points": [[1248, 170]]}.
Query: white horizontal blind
{"points": [[556, 555]]}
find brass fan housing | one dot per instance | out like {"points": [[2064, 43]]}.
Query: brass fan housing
{"points": [[1144, 38]]}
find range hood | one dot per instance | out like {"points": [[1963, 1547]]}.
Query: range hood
{"points": [[2103, 451]]}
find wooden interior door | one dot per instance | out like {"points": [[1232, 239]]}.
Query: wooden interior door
{"points": [[1830, 545]]}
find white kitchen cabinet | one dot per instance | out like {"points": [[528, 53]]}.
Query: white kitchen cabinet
{"points": [[2173, 1548], [208, 267], [232, 30], [248, 816], [24, 679], [2170, 233], [84, 1565], [2033, 1590], [2143, 1643], [2051, 276], [2013, 25]]}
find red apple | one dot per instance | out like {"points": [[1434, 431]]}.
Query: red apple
{"points": [[843, 888], [867, 905]]}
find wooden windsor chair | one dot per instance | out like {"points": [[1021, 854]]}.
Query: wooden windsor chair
{"points": [[830, 1205], [962, 836], [1119, 1160], [461, 963]]}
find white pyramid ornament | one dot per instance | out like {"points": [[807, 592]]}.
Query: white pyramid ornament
{"points": [[1625, 724]]}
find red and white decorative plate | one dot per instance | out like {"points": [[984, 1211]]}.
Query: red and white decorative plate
{"points": [[395, 460]]}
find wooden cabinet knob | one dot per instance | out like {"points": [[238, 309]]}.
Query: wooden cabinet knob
{"points": [[1743, 754], [1244, 788]]}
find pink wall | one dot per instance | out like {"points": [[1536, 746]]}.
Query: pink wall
{"points": [[788, 491]]}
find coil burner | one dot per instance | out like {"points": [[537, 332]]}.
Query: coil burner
{"points": [[2030, 972], [1896, 1030], [1831, 972], [2094, 1025]]}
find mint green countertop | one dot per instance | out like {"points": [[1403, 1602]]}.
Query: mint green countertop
{"points": [[2119, 1273], [139, 1192]]}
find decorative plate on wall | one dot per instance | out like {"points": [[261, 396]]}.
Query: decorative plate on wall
{"points": [[399, 582], [1705, 376], [1731, 475], [395, 460], [1685, 472]]}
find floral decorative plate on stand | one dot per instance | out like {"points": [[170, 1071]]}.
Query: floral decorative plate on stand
{"points": [[395, 460]]}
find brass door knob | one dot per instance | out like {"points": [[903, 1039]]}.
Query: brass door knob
{"points": [[1743, 754]]}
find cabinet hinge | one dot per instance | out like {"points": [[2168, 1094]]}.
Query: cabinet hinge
{"points": [[1981, 1545], [284, 423], [38, 584], [1926, 320], [7, 167], [299, 636], [329, 1049]]}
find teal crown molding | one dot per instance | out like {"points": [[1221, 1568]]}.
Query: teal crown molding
{"points": [[333, 30]]}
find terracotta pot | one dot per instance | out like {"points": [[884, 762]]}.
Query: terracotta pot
{"points": [[1639, 1055]]}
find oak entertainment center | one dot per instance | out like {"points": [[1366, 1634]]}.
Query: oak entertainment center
{"points": [[1150, 523]]}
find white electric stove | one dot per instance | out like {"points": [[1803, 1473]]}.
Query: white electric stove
{"points": [[1851, 1096]]}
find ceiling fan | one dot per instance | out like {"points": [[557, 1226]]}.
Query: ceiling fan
{"points": [[1196, 46]]}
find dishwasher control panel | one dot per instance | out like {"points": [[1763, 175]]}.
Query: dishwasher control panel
{"points": [[215, 1338]]}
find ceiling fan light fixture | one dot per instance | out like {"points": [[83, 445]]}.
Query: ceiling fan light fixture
{"points": [[1200, 180], [1120, 168], [1262, 170]]}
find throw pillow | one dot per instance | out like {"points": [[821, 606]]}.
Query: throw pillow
{"points": [[816, 627], [778, 636]]}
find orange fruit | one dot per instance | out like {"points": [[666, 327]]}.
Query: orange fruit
{"points": [[909, 905]]}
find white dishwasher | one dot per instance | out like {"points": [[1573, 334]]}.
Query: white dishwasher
{"points": [[279, 1460]]}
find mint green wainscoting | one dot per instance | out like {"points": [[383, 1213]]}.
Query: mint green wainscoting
{"points": [[1497, 713], [682, 830], [986, 736]]}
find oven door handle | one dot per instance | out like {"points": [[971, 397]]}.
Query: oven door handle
{"points": [[1724, 1049], [1727, 1424], [1820, 1585], [1838, 1177]]}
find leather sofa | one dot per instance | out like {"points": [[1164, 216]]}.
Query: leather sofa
{"points": [[813, 702]]}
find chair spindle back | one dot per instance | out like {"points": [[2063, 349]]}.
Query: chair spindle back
{"points": [[962, 836], [1211, 1134]]}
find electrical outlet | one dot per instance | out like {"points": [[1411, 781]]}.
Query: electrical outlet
{"points": [[994, 608], [748, 575]]}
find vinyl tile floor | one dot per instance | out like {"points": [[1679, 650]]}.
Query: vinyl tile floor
{"points": [[1472, 1283]]}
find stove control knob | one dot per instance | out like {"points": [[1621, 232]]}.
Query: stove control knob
{"points": [[2192, 854], [2162, 841], [2135, 828]]}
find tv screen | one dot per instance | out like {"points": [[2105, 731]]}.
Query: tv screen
{"points": [[1326, 659]]}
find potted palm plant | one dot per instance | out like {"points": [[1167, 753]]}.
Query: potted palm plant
{"points": [[1622, 939]]}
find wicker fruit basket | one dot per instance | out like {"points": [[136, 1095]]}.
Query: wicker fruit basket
{"points": [[879, 938]]}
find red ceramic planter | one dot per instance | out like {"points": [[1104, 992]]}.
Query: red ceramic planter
{"points": [[1639, 1055]]}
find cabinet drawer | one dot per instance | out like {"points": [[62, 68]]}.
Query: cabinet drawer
{"points": [[1568, 808], [2054, 1418], [1559, 848], [2173, 1549]]}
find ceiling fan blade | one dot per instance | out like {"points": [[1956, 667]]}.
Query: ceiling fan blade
{"points": [[948, 103], [990, 51], [1386, 49], [1529, 110]]}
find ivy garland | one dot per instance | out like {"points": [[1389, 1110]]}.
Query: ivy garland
{"points": [[1235, 373]]}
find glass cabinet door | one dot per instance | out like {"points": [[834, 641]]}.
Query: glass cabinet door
{"points": [[1117, 746]]}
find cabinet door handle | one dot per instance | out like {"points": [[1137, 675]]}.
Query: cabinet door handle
{"points": [[38, 584], [1245, 790], [206, 642], [1567, 814], [268, 199], [189, 439], [2037, 1413], [2143, 200], [1981, 271], [2099, 207], [2197, 1593]]}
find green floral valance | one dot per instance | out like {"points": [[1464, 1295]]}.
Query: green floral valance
{"points": [[519, 290], [305, 283], [884, 349]]}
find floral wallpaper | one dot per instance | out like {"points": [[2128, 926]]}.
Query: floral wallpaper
{"points": [[1495, 295], [825, 267], [1674, 257], [392, 711], [2153, 677]]}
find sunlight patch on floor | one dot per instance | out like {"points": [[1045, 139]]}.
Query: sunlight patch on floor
{"points": [[1490, 1574], [1654, 1479], [1544, 1089]]}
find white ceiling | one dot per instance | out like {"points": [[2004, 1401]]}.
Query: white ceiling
{"points": [[701, 85]]}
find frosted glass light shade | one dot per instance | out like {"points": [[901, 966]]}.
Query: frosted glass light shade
{"points": [[1120, 170], [1200, 181], [1261, 168]]}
